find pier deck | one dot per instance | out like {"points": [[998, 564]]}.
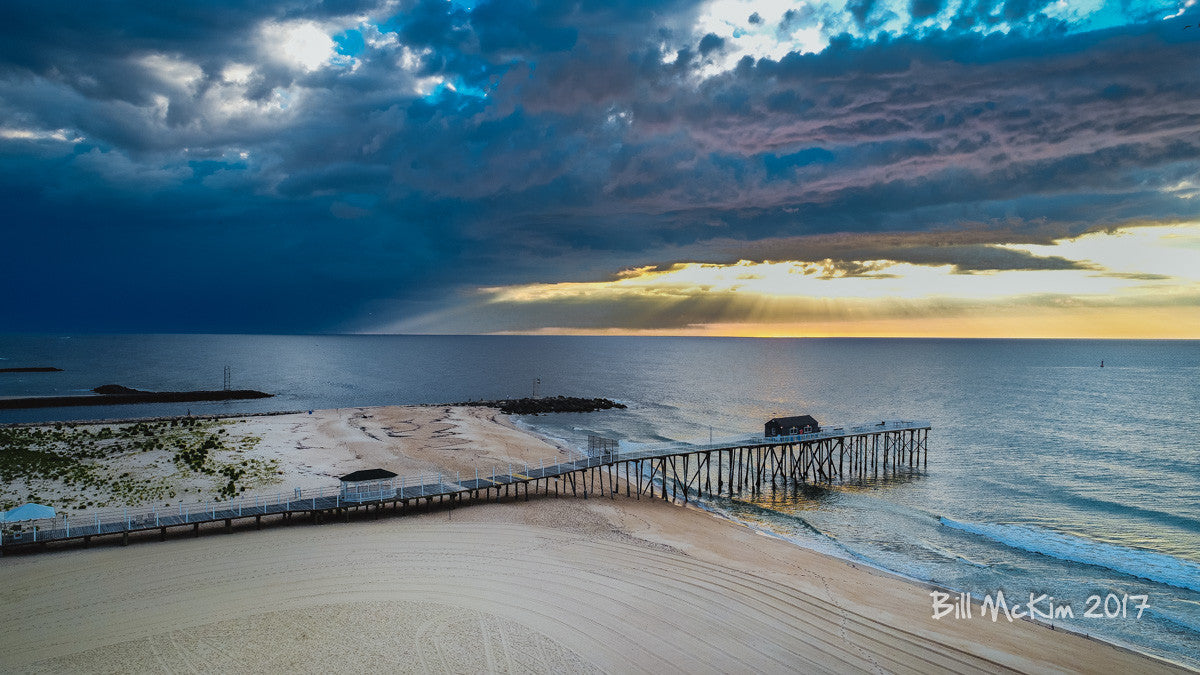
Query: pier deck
{"points": [[679, 470]]}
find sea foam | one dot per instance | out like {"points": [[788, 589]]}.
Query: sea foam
{"points": [[1158, 567]]}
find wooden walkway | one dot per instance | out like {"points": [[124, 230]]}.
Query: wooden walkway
{"points": [[669, 471]]}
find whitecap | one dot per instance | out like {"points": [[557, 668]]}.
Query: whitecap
{"points": [[1159, 567]]}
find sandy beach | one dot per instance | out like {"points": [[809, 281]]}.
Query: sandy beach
{"points": [[295, 450], [553, 584]]}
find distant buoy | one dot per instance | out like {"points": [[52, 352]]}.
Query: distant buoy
{"points": [[1101, 363]]}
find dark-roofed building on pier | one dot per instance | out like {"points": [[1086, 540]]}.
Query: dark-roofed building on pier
{"points": [[368, 485], [791, 426]]}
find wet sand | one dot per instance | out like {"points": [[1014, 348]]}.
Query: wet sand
{"points": [[553, 584]]}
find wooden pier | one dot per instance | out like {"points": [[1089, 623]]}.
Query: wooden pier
{"points": [[670, 471]]}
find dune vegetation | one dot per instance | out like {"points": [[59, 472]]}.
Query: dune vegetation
{"points": [[80, 466]]}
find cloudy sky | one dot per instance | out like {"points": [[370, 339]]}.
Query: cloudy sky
{"points": [[911, 167]]}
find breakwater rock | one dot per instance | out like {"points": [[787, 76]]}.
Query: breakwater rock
{"points": [[115, 394], [547, 404]]}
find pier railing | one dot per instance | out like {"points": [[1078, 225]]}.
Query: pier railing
{"points": [[669, 447], [116, 521]]}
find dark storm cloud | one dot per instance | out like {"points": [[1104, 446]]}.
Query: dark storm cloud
{"points": [[861, 10], [918, 125], [1026, 14], [565, 140], [922, 9], [91, 47], [965, 251], [710, 43]]}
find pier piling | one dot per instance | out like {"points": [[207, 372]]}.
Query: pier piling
{"points": [[744, 466]]}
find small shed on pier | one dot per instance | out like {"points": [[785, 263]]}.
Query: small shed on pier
{"points": [[368, 485], [790, 426]]}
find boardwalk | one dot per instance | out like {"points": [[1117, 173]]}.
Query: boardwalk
{"points": [[677, 470]]}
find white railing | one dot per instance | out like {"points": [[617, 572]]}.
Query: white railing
{"points": [[116, 521], [670, 447]]}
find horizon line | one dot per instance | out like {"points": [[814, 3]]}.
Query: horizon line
{"points": [[68, 334]]}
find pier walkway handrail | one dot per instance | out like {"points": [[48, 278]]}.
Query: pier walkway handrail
{"points": [[668, 447], [426, 485]]}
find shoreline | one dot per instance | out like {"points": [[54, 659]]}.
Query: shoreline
{"points": [[446, 436], [926, 584], [976, 603]]}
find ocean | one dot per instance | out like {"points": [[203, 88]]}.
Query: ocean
{"points": [[1047, 473]]}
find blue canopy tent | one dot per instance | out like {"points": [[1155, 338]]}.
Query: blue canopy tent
{"points": [[25, 512], [21, 514]]}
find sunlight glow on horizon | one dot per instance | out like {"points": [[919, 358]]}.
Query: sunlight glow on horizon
{"points": [[1138, 282], [1151, 323]]}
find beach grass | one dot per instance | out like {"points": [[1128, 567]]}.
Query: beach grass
{"points": [[81, 466]]}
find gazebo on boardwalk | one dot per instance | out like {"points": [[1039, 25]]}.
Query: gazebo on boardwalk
{"points": [[368, 485], [790, 426]]}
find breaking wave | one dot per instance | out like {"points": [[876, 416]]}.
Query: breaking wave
{"points": [[1158, 567]]}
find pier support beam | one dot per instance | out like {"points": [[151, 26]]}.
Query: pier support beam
{"points": [[785, 462]]}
